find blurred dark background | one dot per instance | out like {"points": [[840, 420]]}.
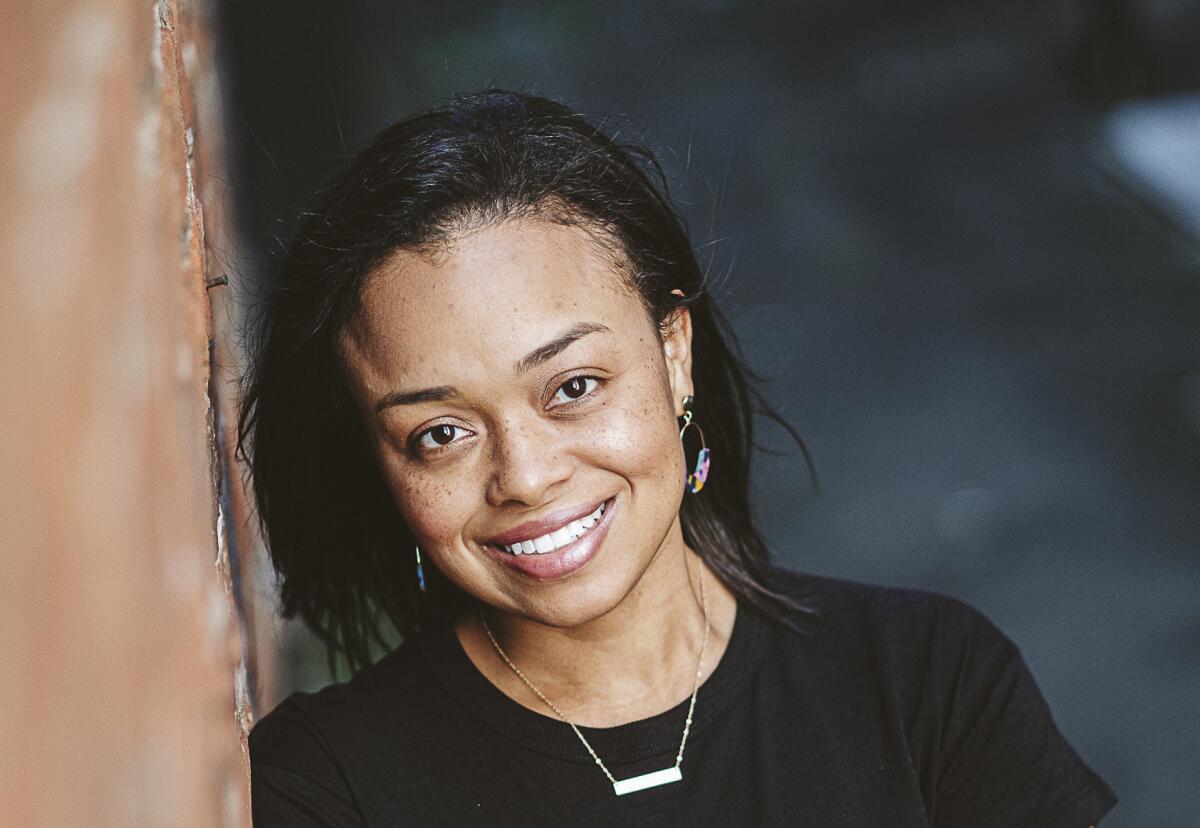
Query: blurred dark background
{"points": [[959, 239]]}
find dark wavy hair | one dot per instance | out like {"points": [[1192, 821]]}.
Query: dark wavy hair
{"points": [[335, 536]]}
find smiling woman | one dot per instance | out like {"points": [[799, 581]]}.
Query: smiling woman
{"points": [[468, 418], [519, 429]]}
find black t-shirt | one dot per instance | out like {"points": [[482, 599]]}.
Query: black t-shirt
{"points": [[893, 707]]}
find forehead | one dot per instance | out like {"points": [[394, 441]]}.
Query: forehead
{"points": [[493, 295]]}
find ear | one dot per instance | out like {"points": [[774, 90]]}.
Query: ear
{"points": [[677, 350]]}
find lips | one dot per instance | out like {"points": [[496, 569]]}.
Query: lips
{"points": [[550, 541], [564, 559], [544, 526]]}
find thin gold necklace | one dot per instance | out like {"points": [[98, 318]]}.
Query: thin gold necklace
{"points": [[646, 780]]}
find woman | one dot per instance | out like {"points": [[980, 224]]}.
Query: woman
{"points": [[481, 411]]}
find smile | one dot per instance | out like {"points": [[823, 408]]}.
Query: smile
{"points": [[556, 546], [556, 539]]}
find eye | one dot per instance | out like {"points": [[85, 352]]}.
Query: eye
{"points": [[439, 436], [576, 388]]}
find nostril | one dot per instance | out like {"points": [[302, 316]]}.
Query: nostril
{"points": [[526, 468]]}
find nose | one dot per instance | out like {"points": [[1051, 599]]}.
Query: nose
{"points": [[529, 464]]}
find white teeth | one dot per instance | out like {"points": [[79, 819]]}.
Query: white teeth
{"points": [[559, 537]]}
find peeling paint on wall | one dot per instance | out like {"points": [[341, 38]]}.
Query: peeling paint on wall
{"points": [[126, 648]]}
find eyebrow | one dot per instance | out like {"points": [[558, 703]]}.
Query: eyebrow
{"points": [[536, 357], [556, 346], [442, 392]]}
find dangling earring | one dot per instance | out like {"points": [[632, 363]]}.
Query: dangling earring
{"points": [[420, 570], [695, 480]]}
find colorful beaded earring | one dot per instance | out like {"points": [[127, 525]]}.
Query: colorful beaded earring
{"points": [[695, 480]]}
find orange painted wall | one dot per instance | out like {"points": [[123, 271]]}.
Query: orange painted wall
{"points": [[124, 655]]}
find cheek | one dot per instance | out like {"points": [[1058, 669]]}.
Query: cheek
{"points": [[436, 508], [432, 506], [636, 436]]}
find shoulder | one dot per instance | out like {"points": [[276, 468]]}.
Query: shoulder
{"points": [[340, 712], [316, 757], [859, 614], [955, 689], [908, 655]]}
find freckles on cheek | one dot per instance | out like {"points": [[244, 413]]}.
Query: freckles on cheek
{"points": [[638, 439], [431, 510]]}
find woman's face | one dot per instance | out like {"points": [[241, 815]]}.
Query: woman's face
{"points": [[513, 386]]}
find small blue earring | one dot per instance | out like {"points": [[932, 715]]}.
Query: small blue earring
{"points": [[420, 570]]}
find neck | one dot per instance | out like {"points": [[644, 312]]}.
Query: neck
{"points": [[633, 662]]}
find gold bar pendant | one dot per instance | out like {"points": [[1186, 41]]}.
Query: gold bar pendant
{"points": [[647, 780]]}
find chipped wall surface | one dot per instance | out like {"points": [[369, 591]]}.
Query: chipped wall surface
{"points": [[122, 692]]}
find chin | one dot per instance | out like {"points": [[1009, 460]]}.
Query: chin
{"points": [[593, 591], [582, 581], [573, 605]]}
